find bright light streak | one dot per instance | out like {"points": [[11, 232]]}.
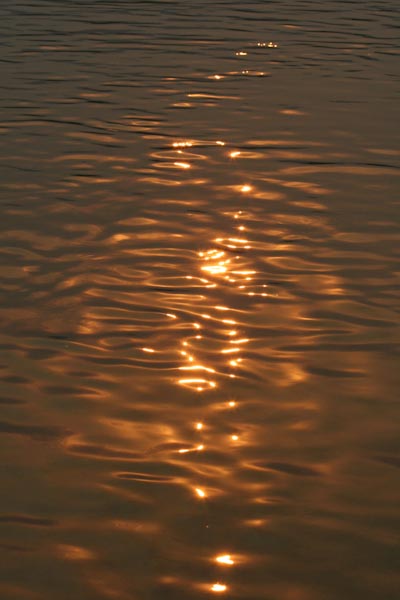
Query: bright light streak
{"points": [[218, 587], [182, 165], [225, 559]]}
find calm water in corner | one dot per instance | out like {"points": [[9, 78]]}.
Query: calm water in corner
{"points": [[199, 353]]}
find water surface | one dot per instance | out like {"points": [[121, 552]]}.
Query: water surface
{"points": [[199, 309]]}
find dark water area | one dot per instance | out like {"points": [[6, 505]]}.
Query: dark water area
{"points": [[200, 300]]}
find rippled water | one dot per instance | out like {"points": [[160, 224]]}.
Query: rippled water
{"points": [[199, 353]]}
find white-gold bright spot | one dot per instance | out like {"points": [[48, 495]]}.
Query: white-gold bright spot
{"points": [[182, 144], [186, 450], [182, 165], [198, 384], [246, 188], [150, 350], [218, 587], [201, 493], [225, 559]]}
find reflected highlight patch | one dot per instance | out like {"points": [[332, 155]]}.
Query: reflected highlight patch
{"points": [[198, 384], [225, 559], [182, 144], [182, 165], [218, 587]]}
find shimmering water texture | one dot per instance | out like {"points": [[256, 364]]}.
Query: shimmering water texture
{"points": [[200, 308]]}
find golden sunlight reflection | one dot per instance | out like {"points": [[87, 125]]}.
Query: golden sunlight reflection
{"points": [[225, 559], [200, 493], [267, 45], [232, 272], [186, 450], [182, 144], [198, 384], [219, 587], [182, 165], [197, 367]]}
